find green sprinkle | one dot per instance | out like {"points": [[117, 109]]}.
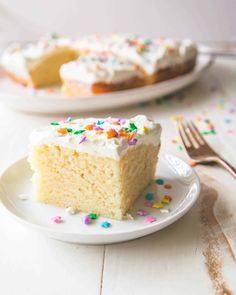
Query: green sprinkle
{"points": [[149, 196], [132, 127], [79, 131], [93, 215], [160, 181], [126, 128], [54, 123], [180, 148], [69, 129]]}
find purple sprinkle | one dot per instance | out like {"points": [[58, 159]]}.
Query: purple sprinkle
{"points": [[98, 128], [132, 142], [82, 140], [86, 219], [122, 121], [142, 212], [148, 203]]}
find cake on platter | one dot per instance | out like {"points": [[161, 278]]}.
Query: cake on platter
{"points": [[99, 72], [94, 165], [37, 64]]}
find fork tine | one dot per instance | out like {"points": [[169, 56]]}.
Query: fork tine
{"points": [[200, 138], [193, 135], [183, 135]]}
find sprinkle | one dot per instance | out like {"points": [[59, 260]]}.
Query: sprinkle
{"points": [[166, 200], [79, 131], [99, 132], [132, 127], [149, 219], [133, 141], [192, 163], [230, 131], [227, 121], [122, 121], [111, 133], [141, 212], [149, 196], [54, 123], [123, 133], [180, 148], [145, 130], [164, 210], [69, 129], [159, 181], [105, 224], [86, 219], [89, 127], [23, 197], [62, 131], [97, 128], [70, 211], [69, 119], [99, 122], [168, 186], [82, 140], [93, 215], [57, 219], [148, 203], [157, 205]]}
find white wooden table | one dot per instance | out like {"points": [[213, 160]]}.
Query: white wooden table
{"points": [[196, 255]]}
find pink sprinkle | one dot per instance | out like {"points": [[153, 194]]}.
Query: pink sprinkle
{"points": [[57, 219], [98, 128], [122, 121], [132, 142], [230, 131], [148, 203], [149, 219], [142, 212], [82, 140], [86, 219]]}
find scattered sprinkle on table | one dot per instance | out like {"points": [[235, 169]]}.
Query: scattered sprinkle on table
{"points": [[166, 199], [86, 219], [149, 196], [142, 212], [158, 205], [150, 219], [148, 203], [93, 215], [105, 224], [160, 181], [167, 186], [70, 211], [164, 211], [57, 219]]}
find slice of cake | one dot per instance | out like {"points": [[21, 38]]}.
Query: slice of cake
{"points": [[37, 64], [99, 73], [94, 165]]}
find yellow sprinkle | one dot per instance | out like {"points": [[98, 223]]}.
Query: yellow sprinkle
{"points": [[166, 200], [158, 205], [146, 130]]}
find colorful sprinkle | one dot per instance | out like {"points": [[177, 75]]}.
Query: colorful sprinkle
{"points": [[132, 141], [166, 200], [79, 131], [160, 181], [62, 131], [157, 205], [93, 215], [148, 203], [105, 224], [132, 127], [89, 127], [111, 133], [69, 130], [57, 219], [164, 210], [70, 211], [150, 219], [149, 196], [168, 186], [228, 121], [54, 123], [69, 119], [100, 122], [82, 140], [86, 219], [142, 212]]}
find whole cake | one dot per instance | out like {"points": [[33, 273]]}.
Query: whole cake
{"points": [[37, 64], [99, 73], [94, 165]]}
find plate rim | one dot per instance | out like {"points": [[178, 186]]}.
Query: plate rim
{"points": [[151, 227]]}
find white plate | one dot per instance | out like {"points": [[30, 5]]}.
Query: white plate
{"points": [[184, 192], [41, 101]]}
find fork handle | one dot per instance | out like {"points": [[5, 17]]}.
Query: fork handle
{"points": [[227, 166]]}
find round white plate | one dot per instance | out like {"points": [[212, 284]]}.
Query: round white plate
{"points": [[185, 188], [51, 101]]}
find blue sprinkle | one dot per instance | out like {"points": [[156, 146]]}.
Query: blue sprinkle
{"points": [[160, 181], [100, 122], [227, 121], [105, 224], [149, 196], [69, 119]]}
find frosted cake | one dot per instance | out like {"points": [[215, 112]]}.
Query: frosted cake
{"points": [[94, 165]]}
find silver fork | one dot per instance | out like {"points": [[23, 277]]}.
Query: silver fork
{"points": [[198, 149]]}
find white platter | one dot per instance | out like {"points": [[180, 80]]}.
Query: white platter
{"points": [[46, 102], [184, 192]]}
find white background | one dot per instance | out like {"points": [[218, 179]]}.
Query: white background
{"points": [[197, 19]]}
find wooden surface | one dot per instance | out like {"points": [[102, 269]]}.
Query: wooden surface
{"points": [[195, 255]]}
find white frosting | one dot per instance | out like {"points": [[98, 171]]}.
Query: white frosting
{"points": [[149, 55], [18, 58], [98, 68], [147, 132]]}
